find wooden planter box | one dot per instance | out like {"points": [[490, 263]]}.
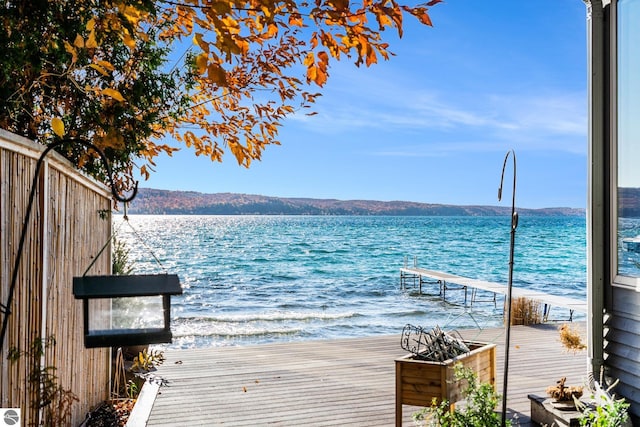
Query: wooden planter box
{"points": [[418, 382]]}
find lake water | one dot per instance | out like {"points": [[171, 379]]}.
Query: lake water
{"points": [[260, 279]]}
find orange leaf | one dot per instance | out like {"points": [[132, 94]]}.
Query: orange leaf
{"points": [[190, 139], [197, 39], [425, 19], [216, 74], [70, 49], [201, 62], [91, 41], [340, 4], [58, 126], [371, 57], [295, 20], [132, 14], [421, 14], [99, 69], [128, 40], [79, 41], [272, 30], [309, 60], [384, 21], [113, 94], [323, 57], [144, 172], [106, 65], [312, 73]]}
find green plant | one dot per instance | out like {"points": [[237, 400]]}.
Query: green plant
{"points": [[478, 410], [128, 383], [120, 264], [605, 410], [133, 389], [145, 361]]}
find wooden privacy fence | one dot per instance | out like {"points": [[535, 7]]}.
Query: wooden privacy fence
{"points": [[70, 222]]}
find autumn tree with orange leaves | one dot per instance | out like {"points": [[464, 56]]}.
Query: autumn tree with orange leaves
{"points": [[141, 78]]}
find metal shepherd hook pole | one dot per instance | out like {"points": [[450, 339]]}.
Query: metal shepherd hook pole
{"points": [[514, 225]]}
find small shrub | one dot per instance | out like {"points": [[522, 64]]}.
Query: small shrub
{"points": [[147, 360], [120, 264], [525, 311], [479, 409], [605, 410]]}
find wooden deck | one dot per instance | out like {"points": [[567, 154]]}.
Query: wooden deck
{"points": [[346, 382], [447, 281]]}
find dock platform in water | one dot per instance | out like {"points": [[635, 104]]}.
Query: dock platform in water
{"points": [[446, 281]]}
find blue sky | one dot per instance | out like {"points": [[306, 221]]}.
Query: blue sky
{"points": [[434, 123]]}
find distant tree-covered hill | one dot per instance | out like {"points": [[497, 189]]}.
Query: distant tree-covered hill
{"points": [[629, 202], [165, 202]]}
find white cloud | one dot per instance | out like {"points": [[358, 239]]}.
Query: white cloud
{"points": [[531, 121]]}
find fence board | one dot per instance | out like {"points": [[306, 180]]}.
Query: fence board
{"points": [[65, 232]]}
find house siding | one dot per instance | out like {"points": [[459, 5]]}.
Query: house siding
{"points": [[622, 345]]}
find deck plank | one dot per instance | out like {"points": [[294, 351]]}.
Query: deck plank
{"points": [[346, 382]]}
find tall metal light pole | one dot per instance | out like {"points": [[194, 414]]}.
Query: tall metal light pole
{"points": [[514, 225]]}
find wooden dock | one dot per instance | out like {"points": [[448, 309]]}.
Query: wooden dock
{"points": [[346, 382], [445, 282]]}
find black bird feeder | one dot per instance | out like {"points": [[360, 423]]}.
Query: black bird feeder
{"points": [[127, 310]]}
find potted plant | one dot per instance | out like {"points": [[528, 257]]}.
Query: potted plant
{"points": [[427, 373], [603, 409]]}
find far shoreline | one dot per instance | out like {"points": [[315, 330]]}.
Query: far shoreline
{"points": [[165, 202]]}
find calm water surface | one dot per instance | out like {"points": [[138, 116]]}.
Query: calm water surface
{"points": [[259, 279]]}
